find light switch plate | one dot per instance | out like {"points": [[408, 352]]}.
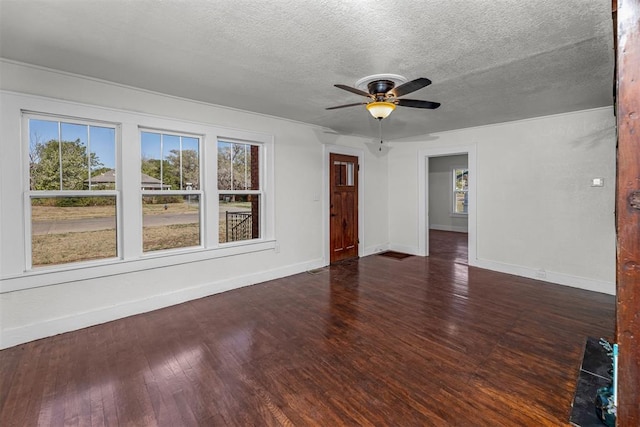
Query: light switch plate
{"points": [[597, 182]]}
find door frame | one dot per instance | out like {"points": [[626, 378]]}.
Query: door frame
{"points": [[349, 151], [423, 195]]}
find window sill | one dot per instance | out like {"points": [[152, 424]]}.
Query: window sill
{"points": [[85, 271], [459, 215]]}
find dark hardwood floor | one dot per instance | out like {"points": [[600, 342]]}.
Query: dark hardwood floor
{"points": [[374, 342]]}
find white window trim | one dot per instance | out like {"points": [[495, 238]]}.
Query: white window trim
{"points": [[13, 268], [261, 192], [27, 115], [200, 192]]}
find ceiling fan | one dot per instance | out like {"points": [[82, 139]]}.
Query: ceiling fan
{"points": [[384, 96]]}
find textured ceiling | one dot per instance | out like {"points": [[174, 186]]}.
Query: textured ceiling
{"points": [[490, 60]]}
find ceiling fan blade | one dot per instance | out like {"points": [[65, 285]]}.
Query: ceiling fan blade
{"points": [[353, 90], [411, 86], [346, 105], [417, 103]]}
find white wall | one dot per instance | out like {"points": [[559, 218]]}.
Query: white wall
{"points": [[441, 193], [537, 214], [71, 304]]}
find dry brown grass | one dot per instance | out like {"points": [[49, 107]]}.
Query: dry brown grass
{"points": [[51, 249], [48, 213], [148, 209], [170, 237]]}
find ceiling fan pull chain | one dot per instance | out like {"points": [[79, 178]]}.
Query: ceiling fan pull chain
{"points": [[380, 132]]}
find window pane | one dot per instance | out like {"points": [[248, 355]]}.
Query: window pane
{"points": [[461, 179], [170, 222], [224, 165], [170, 162], [44, 163], [460, 202], [61, 155], [74, 156], [151, 154], [190, 163], [343, 173], [102, 149], [239, 217], [71, 229], [238, 166]]}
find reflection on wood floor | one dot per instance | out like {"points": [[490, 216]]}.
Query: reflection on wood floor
{"points": [[448, 246], [376, 341]]}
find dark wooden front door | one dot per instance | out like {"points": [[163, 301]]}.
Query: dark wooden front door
{"points": [[343, 212]]}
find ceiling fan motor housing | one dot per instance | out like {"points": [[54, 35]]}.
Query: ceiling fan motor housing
{"points": [[380, 87]]}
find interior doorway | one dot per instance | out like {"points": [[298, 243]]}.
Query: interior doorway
{"points": [[470, 196], [448, 178]]}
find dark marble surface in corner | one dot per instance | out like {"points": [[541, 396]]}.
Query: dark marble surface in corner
{"points": [[594, 374], [596, 360]]}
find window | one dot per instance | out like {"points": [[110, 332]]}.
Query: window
{"points": [[460, 191], [170, 190], [344, 173], [99, 190], [72, 190], [239, 191]]}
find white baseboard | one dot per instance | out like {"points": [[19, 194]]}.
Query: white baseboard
{"points": [[532, 273], [455, 228], [50, 327], [549, 276]]}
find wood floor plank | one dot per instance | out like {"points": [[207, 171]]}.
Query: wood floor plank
{"points": [[376, 341]]}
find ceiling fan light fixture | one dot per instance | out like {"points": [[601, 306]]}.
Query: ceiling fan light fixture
{"points": [[380, 110]]}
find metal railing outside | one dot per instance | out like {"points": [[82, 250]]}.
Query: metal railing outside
{"points": [[239, 226]]}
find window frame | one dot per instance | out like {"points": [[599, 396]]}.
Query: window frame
{"points": [[30, 194], [454, 191], [199, 192], [259, 192], [14, 274]]}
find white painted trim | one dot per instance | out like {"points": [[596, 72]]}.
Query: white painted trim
{"points": [[454, 228], [14, 336], [349, 151], [550, 276], [423, 195]]}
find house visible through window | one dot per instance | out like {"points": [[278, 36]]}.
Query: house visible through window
{"points": [[460, 190], [170, 186], [73, 212], [239, 191]]}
